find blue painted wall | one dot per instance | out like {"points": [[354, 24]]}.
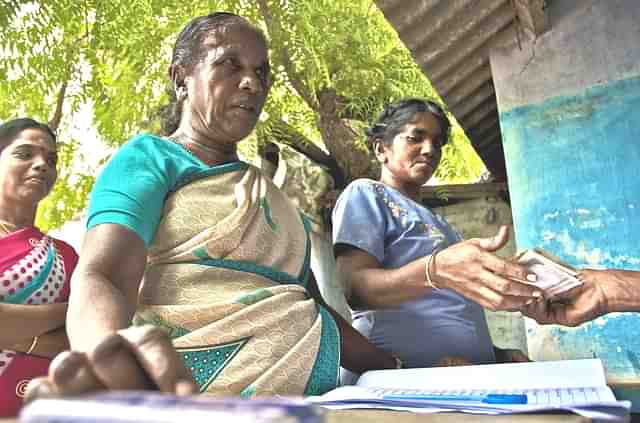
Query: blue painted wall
{"points": [[574, 174], [574, 178]]}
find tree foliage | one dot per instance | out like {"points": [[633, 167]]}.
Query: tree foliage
{"points": [[336, 62]]}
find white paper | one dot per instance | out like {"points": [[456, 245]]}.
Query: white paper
{"points": [[533, 375], [577, 386]]}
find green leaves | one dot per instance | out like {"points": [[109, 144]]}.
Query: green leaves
{"points": [[114, 55]]}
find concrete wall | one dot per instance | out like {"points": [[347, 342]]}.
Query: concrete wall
{"points": [[569, 106]]}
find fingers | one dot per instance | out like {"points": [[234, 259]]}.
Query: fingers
{"points": [[155, 352], [547, 312], [39, 387], [70, 373], [510, 270], [493, 243], [590, 276], [571, 316], [494, 300], [116, 365], [135, 358], [540, 311], [521, 293]]}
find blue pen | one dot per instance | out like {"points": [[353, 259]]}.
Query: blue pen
{"points": [[487, 399]]}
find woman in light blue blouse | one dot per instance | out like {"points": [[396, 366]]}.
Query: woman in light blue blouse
{"points": [[416, 287]]}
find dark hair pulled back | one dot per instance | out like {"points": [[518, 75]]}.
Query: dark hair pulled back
{"points": [[396, 115], [186, 53], [10, 130]]}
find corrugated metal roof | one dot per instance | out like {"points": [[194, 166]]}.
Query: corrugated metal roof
{"points": [[450, 40]]}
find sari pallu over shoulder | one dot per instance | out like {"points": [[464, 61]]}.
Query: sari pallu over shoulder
{"points": [[226, 276]]}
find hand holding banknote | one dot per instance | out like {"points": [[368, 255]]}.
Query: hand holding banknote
{"points": [[601, 292], [553, 277]]}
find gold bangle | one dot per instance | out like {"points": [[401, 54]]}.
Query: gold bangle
{"points": [[432, 258], [33, 345]]}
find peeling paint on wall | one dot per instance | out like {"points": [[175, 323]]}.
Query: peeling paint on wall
{"points": [[613, 339], [572, 163], [573, 174]]}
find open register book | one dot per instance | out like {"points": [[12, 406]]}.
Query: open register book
{"points": [[577, 386]]}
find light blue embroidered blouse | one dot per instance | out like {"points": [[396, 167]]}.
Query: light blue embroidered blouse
{"points": [[396, 230]]}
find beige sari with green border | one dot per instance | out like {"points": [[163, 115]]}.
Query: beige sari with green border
{"points": [[226, 277]]}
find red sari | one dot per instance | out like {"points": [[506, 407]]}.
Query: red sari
{"points": [[34, 269]]}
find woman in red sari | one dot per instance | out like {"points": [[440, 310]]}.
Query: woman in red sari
{"points": [[35, 269]]}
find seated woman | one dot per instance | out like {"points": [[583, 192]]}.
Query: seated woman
{"points": [[202, 247], [35, 269], [417, 287]]}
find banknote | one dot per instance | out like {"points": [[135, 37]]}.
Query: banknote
{"points": [[554, 277]]}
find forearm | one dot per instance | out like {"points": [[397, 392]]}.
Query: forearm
{"points": [[96, 308], [20, 323], [622, 289], [357, 353], [379, 288], [48, 344]]}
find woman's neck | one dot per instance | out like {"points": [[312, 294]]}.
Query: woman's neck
{"points": [[409, 190], [206, 149], [13, 218]]}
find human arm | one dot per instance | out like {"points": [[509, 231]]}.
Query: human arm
{"points": [[48, 344], [104, 286], [356, 352], [122, 220], [104, 293], [371, 228], [372, 286], [108, 353], [468, 267], [601, 292], [20, 323]]}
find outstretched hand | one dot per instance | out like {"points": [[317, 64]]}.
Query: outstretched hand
{"points": [[471, 269], [140, 358], [601, 292]]}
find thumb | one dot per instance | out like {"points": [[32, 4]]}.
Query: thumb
{"points": [[495, 242]]}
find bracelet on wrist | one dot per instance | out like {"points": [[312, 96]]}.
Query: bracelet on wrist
{"points": [[428, 278], [33, 345]]}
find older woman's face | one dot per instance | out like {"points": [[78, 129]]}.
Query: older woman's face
{"points": [[415, 153], [28, 167], [228, 88]]}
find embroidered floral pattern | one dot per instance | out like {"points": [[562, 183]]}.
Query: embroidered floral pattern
{"points": [[397, 211], [433, 231]]}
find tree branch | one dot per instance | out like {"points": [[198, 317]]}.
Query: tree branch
{"points": [[295, 79], [54, 122], [286, 134]]}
